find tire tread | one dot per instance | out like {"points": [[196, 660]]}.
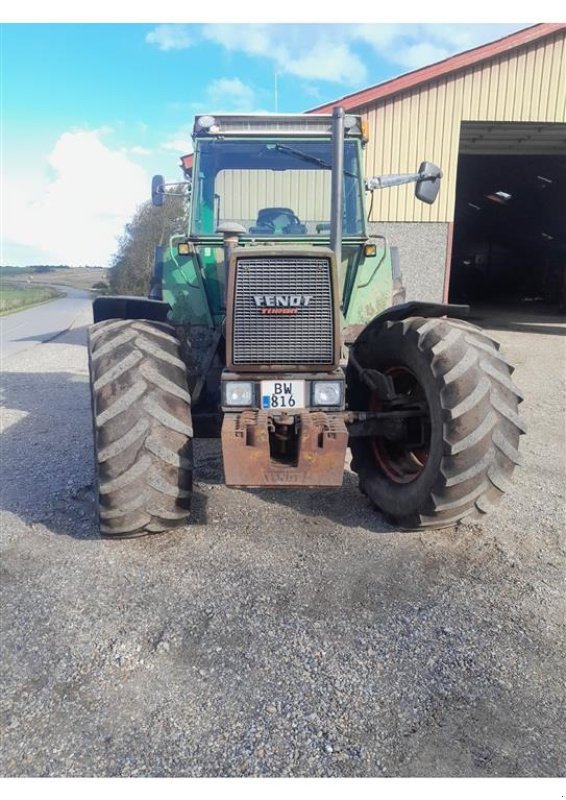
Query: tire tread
{"points": [[481, 423], [142, 425]]}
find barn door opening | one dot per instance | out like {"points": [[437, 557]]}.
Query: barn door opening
{"points": [[509, 240]]}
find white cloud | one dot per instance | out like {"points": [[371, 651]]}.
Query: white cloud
{"points": [[76, 216], [463, 37], [328, 61], [331, 52], [179, 142], [311, 90], [255, 40], [418, 55], [313, 52], [170, 37], [379, 35], [230, 94], [412, 46], [137, 150]]}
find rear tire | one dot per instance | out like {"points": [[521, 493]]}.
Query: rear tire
{"points": [[473, 427], [142, 427]]}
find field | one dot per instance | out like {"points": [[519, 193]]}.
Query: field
{"points": [[14, 298], [77, 277]]}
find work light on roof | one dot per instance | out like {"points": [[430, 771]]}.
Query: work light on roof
{"points": [[206, 123]]}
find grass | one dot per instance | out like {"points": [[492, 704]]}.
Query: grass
{"points": [[13, 298]]}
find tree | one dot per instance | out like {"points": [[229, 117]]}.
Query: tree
{"points": [[132, 264]]}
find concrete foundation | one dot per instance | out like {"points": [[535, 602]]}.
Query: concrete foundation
{"points": [[422, 247]]}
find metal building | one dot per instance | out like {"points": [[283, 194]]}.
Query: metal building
{"points": [[494, 119]]}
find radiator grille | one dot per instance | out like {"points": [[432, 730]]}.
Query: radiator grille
{"points": [[306, 337]]}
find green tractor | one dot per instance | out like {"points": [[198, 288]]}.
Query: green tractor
{"points": [[276, 323]]}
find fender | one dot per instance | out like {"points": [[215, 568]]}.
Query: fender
{"points": [[414, 308], [122, 307], [379, 383]]}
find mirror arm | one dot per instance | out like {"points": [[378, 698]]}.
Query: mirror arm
{"points": [[385, 181], [161, 188], [175, 183]]}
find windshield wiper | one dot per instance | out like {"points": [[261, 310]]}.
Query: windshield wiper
{"points": [[306, 157]]}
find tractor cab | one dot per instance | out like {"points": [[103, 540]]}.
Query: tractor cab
{"points": [[276, 182], [269, 179]]}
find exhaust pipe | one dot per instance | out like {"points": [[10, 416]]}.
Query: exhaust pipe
{"points": [[337, 203]]}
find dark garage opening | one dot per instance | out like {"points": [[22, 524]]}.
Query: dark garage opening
{"points": [[509, 242]]}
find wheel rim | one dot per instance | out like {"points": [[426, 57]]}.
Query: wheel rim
{"points": [[402, 463]]}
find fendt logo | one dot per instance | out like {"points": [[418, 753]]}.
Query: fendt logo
{"points": [[281, 303]]}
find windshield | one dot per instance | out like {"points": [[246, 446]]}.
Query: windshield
{"points": [[274, 189]]}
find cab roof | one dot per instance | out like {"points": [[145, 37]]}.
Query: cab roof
{"points": [[305, 125]]}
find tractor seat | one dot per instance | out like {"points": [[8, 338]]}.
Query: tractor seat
{"points": [[277, 221]]}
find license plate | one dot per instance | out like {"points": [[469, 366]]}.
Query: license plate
{"points": [[283, 395]]}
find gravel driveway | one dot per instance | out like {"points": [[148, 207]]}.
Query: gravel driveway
{"points": [[282, 633]]}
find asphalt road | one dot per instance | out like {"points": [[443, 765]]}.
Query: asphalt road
{"points": [[23, 330], [281, 633]]}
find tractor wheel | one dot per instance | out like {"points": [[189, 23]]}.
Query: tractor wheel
{"points": [[142, 427], [467, 446]]}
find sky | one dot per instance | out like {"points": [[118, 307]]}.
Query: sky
{"points": [[90, 111]]}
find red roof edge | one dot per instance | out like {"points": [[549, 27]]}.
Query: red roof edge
{"points": [[187, 162], [451, 64]]}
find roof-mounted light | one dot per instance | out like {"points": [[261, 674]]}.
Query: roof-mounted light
{"points": [[206, 123], [280, 125]]}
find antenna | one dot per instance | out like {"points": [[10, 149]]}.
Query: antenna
{"points": [[276, 93]]}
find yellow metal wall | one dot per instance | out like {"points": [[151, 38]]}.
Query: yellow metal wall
{"points": [[528, 84], [244, 192]]}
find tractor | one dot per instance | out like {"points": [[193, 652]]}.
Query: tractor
{"points": [[276, 323]]}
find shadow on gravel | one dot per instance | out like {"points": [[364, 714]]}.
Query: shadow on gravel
{"points": [[518, 319], [519, 327], [47, 453], [75, 336], [46, 450], [47, 458], [343, 506]]}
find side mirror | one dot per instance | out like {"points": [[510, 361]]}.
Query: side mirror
{"points": [[157, 190], [428, 183]]}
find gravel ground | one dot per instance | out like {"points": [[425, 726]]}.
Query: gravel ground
{"points": [[282, 633]]}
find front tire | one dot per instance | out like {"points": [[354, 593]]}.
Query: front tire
{"points": [[472, 428], [142, 427]]}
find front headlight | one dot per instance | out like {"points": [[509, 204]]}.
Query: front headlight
{"points": [[238, 393], [327, 393]]}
